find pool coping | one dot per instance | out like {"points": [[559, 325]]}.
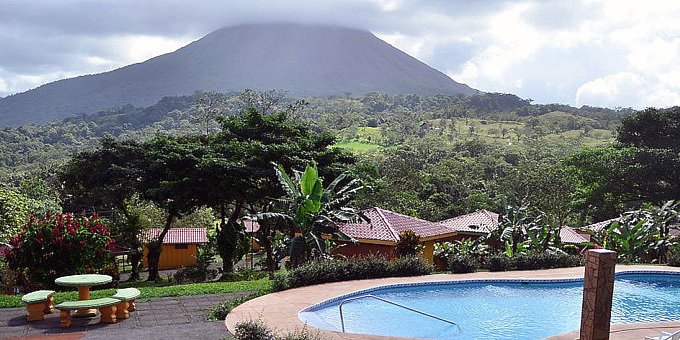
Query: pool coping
{"points": [[322, 304], [280, 310]]}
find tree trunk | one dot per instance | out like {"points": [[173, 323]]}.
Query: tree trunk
{"points": [[136, 257], [232, 239], [155, 247], [227, 238], [266, 243], [134, 262]]}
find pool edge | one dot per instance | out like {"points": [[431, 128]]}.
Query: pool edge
{"points": [[282, 308]]}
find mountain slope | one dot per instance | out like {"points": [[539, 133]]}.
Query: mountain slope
{"points": [[306, 60]]}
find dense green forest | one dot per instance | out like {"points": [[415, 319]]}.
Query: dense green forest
{"points": [[362, 123], [432, 157]]}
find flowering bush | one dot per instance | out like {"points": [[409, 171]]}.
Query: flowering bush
{"points": [[59, 245]]}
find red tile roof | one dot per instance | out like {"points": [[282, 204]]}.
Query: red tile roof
{"points": [[385, 225], [251, 226], [484, 221], [599, 226], [569, 235], [478, 222], [176, 235]]}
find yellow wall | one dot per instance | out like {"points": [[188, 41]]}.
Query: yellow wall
{"points": [[428, 251], [172, 258]]}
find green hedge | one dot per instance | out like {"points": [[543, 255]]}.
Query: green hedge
{"points": [[674, 256], [355, 268], [500, 262], [459, 264]]}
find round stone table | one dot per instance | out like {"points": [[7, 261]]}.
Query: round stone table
{"points": [[83, 283]]}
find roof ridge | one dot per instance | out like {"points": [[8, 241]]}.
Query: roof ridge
{"points": [[488, 214], [175, 228], [387, 223], [404, 215], [461, 216]]}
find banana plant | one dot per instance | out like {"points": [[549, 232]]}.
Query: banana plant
{"points": [[643, 235], [543, 236], [314, 210], [630, 239]]}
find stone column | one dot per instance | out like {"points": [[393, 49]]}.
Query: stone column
{"points": [[598, 287]]}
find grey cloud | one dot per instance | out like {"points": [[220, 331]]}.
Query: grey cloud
{"points": [[48, 37], [559, 14]]}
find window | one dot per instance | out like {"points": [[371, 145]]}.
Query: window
{"points": [[181, 246]]}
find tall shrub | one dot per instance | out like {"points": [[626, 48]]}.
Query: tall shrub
{"points": [[57, 245], [408, 244]]}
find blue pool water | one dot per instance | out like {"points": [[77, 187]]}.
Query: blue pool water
{"points": [[496, 309]]}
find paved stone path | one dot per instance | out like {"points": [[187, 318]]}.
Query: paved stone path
{"points": [[182, 317]]}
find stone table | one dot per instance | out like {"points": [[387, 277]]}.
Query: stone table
{"points": [[83, 283]]}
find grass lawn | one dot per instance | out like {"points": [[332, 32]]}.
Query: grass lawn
{"points": [[148, 290], [357, 146]]}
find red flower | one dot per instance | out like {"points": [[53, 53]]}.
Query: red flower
{"points": [[14, 241]]}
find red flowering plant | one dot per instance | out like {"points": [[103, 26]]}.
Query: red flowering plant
{"points": [[58, 245]]}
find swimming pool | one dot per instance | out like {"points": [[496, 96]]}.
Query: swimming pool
{"points": [[496, 309]]}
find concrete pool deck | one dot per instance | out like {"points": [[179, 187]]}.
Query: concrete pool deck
{"points": [[280, 310]]}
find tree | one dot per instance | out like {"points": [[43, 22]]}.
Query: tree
{"points": [[208, 107], [15, 210], [107, 180], [550, 189], [170, 181], [651, 128], [643, 167], [237, 176]]}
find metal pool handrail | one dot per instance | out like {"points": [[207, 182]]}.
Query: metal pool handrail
{"points": [[342, 320]]}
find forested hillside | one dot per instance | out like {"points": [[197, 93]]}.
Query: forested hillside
{"points": [[427, 156]]}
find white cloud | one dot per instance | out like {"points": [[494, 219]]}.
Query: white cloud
{"points": [[12, 83], [619, 89], [389, 5], [626, 89], [138, 48], [594, 52]]}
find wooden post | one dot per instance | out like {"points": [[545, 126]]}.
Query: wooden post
{"points": [[598, 288]]}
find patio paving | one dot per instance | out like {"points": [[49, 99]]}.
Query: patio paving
{"points": [[182, 317], [280, 310]]}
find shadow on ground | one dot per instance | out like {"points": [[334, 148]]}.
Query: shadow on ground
{"points": [[182, 317]]}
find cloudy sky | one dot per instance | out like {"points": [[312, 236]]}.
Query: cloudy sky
{"points": [[615, 53]]}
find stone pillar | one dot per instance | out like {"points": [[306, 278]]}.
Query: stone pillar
{"points": [[598, 287]]}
